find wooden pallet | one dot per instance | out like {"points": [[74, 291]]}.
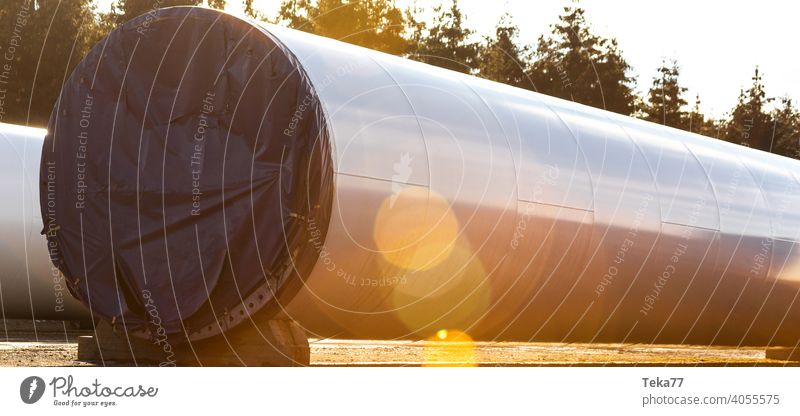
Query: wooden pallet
{"points": [[275, 343]]}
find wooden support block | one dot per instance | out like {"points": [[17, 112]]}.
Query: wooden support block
{"points": [[274, 343], [783, 353], [87, 349], [108, 346]]}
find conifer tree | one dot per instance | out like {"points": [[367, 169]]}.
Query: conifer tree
{"points": [[501, 57], [665, 100], [446, 42], [785, 138], [42, 43], [575, 64], [750, 124], [374, 24]]}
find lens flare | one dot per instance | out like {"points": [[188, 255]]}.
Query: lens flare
{"points": [[456, 293], [415, 229], [449, 347]]}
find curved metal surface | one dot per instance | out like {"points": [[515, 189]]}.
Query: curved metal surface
{"points": [[30, 287], [572, 223], [464, 204]]}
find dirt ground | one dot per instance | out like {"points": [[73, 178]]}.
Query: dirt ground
{"points": [[55, 344]]}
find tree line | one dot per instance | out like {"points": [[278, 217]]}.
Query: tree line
{"points": [[42, 40]]}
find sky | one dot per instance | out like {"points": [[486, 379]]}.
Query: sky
{"points": [[717, 44]]}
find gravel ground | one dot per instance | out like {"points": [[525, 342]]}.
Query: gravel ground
{"points": [[55, 344]]}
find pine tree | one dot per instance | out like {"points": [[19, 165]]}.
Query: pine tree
{"points": [[217, 4], [749, 124], [124, 10], [42, 41], [665, 100], [446, 43], [252, 12], [294, 14], [785, 138], [696, 122], [502, 59], [695, 117], [249, 9], [374, 24], [575, 64]]}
